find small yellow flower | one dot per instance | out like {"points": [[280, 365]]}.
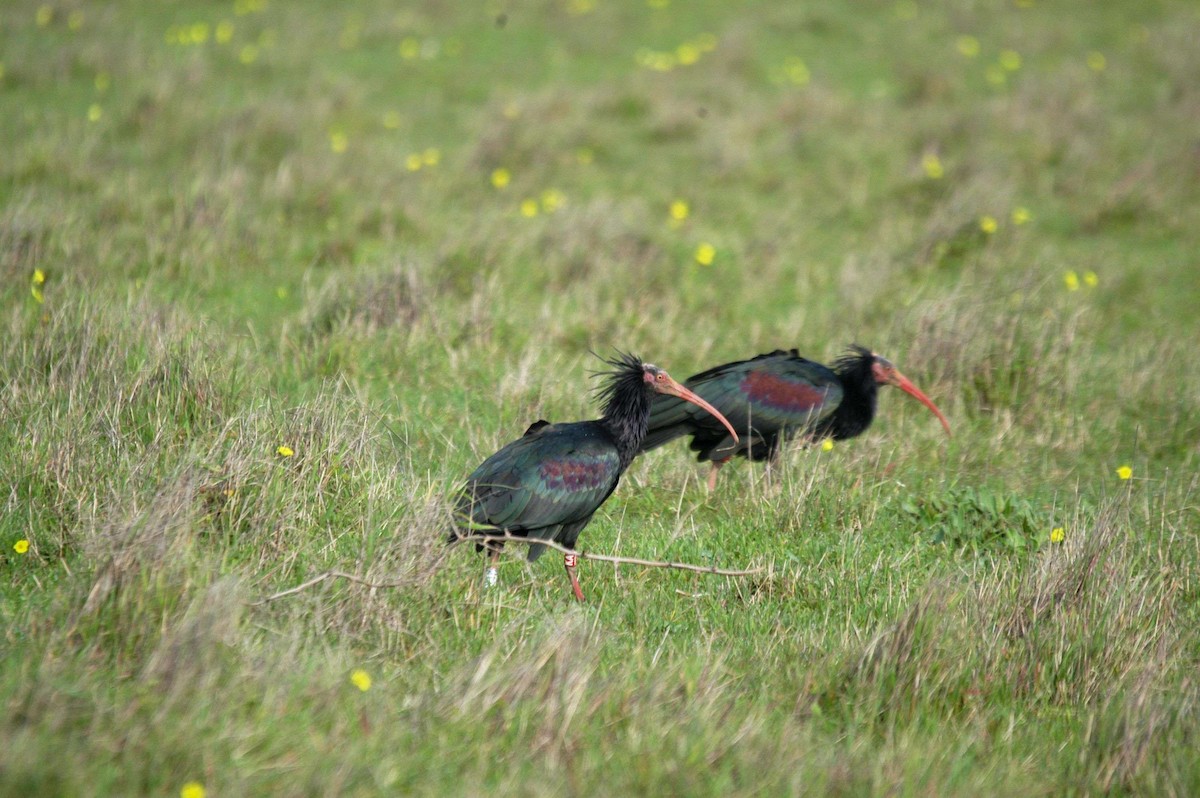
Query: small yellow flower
{"points": [[285, 451], [1096, 61], [679, 210], [988, 224], [529, 208], [248, 54], [21, 546], [501, 178], [705, 253], [1021, 215], [797, 71], [45, 15], [932, 166], [827, 445], [552, 200], [224, 32], [95, 112], [995, 75], [1125, 472], [968, 46], [37, 295], [1010, 60], [391, 120], [338, 142], [75, 20], [410, 48], [1090, 279], [199, 33], [413, 162], [1058, 534], [193, 789], [281, 292], [39, 277], [431, 156], [687, 53], [360, 679], [1071, 280]]}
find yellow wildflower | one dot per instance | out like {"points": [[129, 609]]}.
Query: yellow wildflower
{"points": [[1096, 61], [199, 33], [1058, 534], [679, 210], [1010, 60], [410, 48], [827, 445], [248, 54], [501, 178], [39, 277], [988, 224], [413, 162], [552, 200], [1125, 472], [338, 142], [995, 75], [224, 31], [687, 53], [705, 253], [95, 112], [360, 679], [193, 789], [75, 20], [1090, 279], [21, 546], [796, 71], [932, 166], [431, 156], [529, 208], [1021, 215], [1071, 280], [45, 15], [968, 46], [37, 294], [285, 451]]}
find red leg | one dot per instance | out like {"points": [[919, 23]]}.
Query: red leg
{"points": [[571, 560], [712, 474]]}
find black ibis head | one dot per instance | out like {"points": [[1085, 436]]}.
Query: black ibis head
{"points": [[887, 374], [627, 396]]}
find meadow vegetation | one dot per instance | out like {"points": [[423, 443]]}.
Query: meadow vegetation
{"points": [[274, 277]]}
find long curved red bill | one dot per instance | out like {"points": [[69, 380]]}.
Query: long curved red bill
{"points": [[673, 388], [905, 384]]}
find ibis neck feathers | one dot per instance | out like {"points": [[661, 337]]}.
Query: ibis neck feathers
{"points": [[860, 396], [627, 418]]}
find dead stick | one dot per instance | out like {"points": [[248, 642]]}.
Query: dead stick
{"points": [[321, 578], [680, 566]]}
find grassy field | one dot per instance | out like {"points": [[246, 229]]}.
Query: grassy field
{"points": [[274, 277]]}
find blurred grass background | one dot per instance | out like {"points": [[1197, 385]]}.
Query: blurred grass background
{"points": [[386, 236]]}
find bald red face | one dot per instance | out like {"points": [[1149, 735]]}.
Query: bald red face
{"points": [[887, 374]]}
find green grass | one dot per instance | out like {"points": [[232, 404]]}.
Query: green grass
{"points": [[220, 282]]}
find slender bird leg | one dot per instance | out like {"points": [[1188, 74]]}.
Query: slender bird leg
{"points": [[571, 560], [712, 474], [490, 576]]}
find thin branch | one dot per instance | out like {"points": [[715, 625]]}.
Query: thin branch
{"points": [[506, 538], [680, 566], [321, 578]]}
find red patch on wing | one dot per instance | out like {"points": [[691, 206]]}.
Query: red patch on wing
{"points": [[782, 394], [572, 475]]}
